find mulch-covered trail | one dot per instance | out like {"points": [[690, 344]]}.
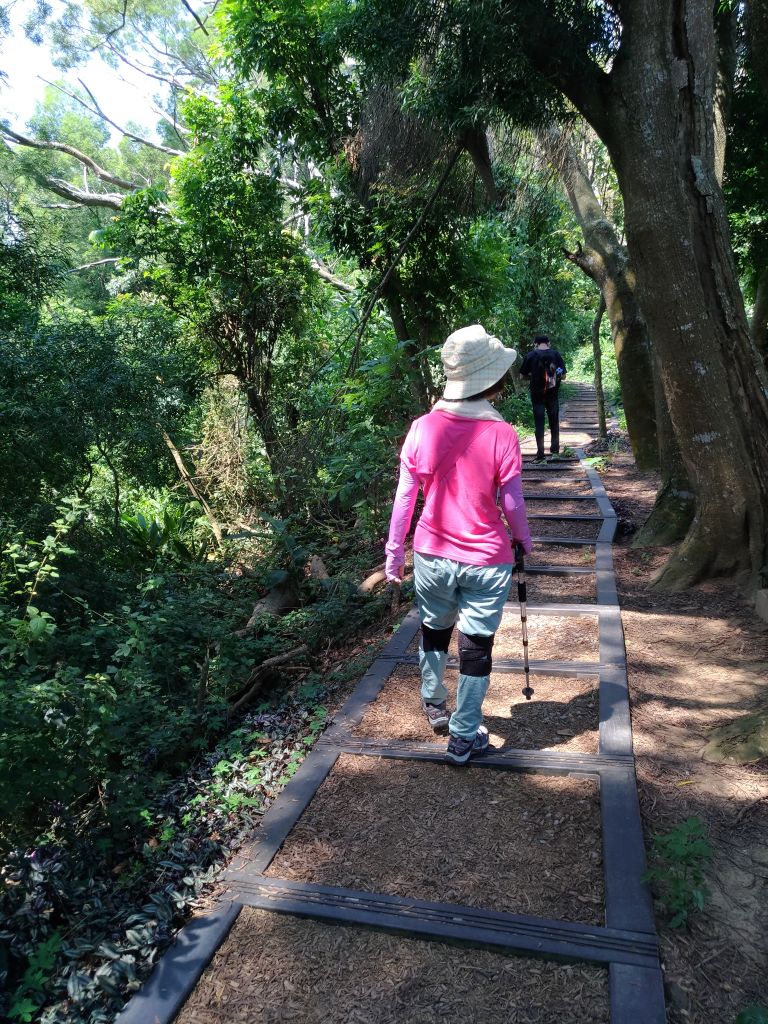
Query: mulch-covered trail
{"points": [[697, 660], [493, 840], [501, 841], [276, 968], [564, 715]]}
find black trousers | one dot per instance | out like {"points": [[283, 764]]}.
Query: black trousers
{"points": [[546, 405]]}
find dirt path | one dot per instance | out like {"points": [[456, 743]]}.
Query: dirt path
{"points": [[697, 661]]}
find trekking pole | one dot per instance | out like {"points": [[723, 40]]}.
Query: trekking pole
{"points": [[394, 597], [521, 596]]}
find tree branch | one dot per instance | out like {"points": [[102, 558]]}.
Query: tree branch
{"points": [[582, 81], [584, 261], [98, 263], [337, 283], [190, 484], [400, 252], [260, 673], [127, 134], [83, 158], [96, 109], [200, 24], [110, 200], [173, 82]]}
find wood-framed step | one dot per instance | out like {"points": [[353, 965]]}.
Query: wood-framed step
{"points": [[572, 516], [542, 668], [560, 570], [544, 762], [565, 541], [486, 928], [561, 609], [551, 467], [534, 496]]}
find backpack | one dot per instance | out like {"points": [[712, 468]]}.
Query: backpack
{"points": [[545, 377]]}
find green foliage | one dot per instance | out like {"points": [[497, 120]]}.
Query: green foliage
{"points": [[746, 179], [296, 46], [82, 391], [677, 860], [582, 365], [753, 1014], [30, 994], [30, 265], [158, 526]]}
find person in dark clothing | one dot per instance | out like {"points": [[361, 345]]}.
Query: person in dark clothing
{"points": [[544, 367]]}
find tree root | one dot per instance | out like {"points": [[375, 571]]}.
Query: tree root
{"points": [[740, 742], [668, 522], [702, 555], [260, 675]]}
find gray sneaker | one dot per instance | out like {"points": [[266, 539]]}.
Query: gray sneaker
{"points": [[460, 750], [437, 714]]}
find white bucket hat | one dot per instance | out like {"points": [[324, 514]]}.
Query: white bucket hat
{"points": [[473, 361]]}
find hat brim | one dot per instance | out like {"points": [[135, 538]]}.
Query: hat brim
{"points": [[483, 379]]}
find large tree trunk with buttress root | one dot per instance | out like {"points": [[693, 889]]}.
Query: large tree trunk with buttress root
{"points": [[605, 260], [672, 512], [658, 128]]}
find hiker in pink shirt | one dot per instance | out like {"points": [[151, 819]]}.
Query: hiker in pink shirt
{"points": [[464, 457]]}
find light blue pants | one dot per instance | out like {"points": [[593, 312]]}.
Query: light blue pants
{"points": [[448, 592]]}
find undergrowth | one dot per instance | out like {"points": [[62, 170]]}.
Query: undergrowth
{"points": [[126, 778], [676, 872], [82, 932]]}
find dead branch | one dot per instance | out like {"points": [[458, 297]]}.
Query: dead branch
{"points": [[111, 200], [90, 266], [260, 674], [371, 582], [200, 24], [173, 82], [123, 131], [316, 568], [582, 259], [101, 173], [749, 807], [326, 275], [190, 485]]}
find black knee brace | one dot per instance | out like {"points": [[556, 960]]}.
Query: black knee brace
{"points": [[435, 639], [475, 654]]}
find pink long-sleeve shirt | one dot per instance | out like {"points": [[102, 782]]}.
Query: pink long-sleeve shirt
{"points": [[461, 519]]}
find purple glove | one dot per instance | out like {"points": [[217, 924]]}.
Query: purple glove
{"points": [[513, 507], [400, 523]]}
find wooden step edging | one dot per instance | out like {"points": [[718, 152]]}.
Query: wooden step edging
{"points": [[485, 928]]}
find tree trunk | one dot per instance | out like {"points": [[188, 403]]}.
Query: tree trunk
{"points": [[475, 142], [410, 349], [758, 327], [673, 509], [606, 261], [263, 421], [601, 425], [662, 89]]}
